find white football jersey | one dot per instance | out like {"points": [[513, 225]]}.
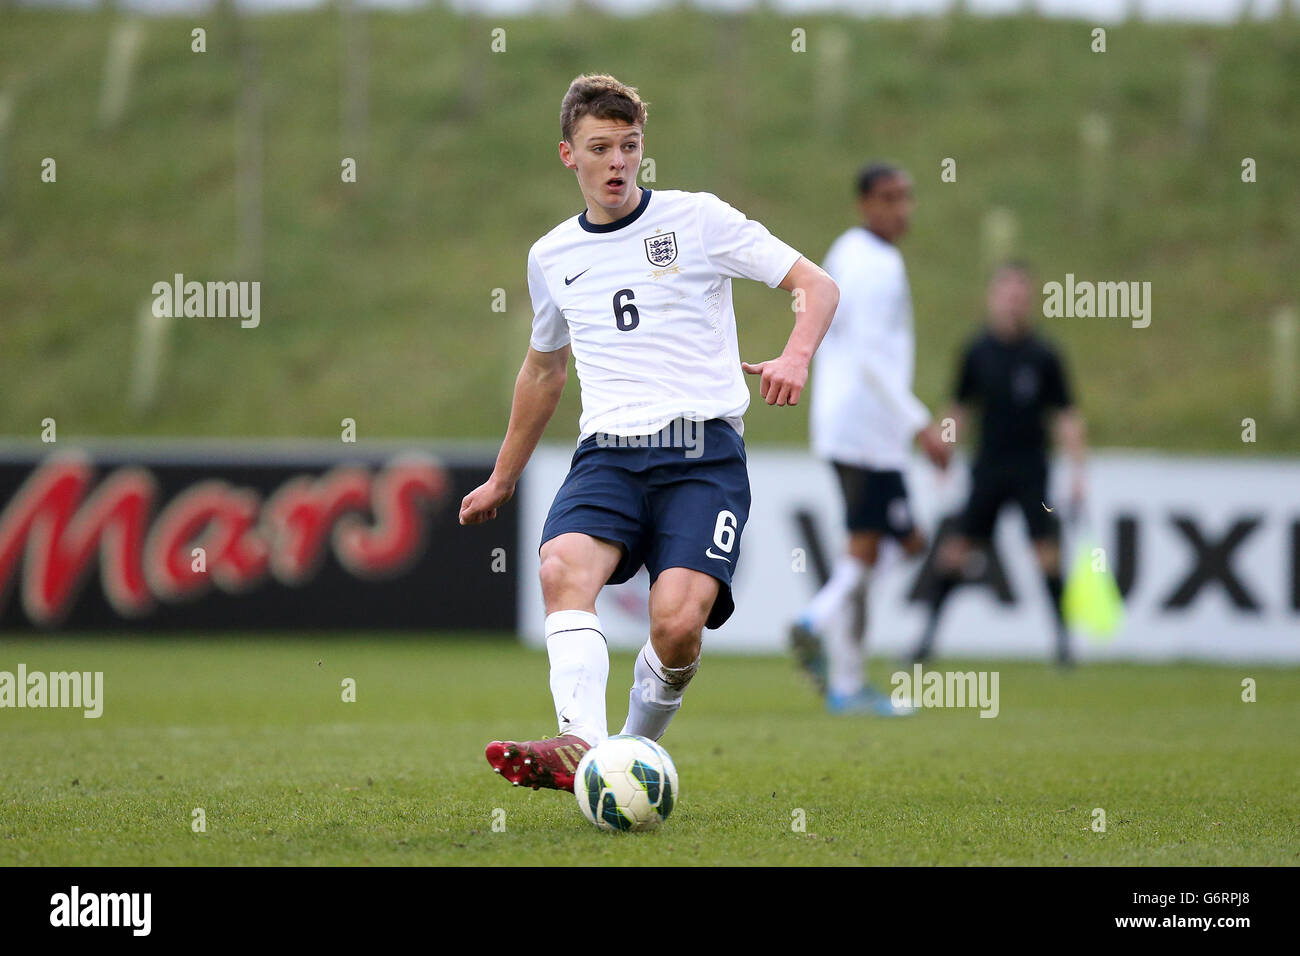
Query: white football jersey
{"points": [[863, 410], [645, 301]]}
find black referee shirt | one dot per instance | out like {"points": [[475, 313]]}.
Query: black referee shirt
{"points": [[1014, 384]]}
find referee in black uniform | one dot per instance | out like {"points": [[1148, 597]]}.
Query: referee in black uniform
{"points": [[1017, 382]]}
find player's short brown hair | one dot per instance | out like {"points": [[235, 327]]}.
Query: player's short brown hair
{"points": [[601, 96]]}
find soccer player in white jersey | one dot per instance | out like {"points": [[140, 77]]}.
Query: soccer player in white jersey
{"points": [[864, 419], [638, 287]]}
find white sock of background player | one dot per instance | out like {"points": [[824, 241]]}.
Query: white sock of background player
{"points": [[830, 600], [579, 671], [845, 663], [656, 693]]}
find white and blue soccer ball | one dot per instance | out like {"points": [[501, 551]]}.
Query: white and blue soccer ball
{"points": [[626, 783]]}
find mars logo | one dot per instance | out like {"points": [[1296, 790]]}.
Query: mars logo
{"points": [[58, 521], [661, 250]]}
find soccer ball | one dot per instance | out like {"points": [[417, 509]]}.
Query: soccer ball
{"points": [[626, 783]]}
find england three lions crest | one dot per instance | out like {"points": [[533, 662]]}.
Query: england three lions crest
{"points": [[661, 249]]}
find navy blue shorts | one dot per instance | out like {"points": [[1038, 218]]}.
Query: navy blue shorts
{"points": [[666, 507], [875, 500]]}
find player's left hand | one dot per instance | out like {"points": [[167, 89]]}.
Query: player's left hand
{"points": [[782, 379]]}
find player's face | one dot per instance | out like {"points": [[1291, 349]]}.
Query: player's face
{"points": [[887, 209], [1010, 300], [606, 155]]}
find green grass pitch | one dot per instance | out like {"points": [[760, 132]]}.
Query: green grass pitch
{"points": [[254, 731]]}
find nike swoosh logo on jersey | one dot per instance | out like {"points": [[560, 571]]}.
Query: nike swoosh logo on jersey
{"points": [[709, 553], [568, 281]]}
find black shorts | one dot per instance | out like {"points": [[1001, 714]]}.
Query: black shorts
{"points": [[666, 507], [875, 500], [994, 484]]}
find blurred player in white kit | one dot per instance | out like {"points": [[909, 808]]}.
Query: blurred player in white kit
{"points": [[864, 419]]}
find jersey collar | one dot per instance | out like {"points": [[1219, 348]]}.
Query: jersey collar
{"points": [[617, 224]]}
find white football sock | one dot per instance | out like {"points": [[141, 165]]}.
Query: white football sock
{"points": [[656, 693], [829, 601], [845, 664], [579, 670]]}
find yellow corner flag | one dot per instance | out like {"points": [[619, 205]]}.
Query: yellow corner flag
{"points": [[1092, 602]]}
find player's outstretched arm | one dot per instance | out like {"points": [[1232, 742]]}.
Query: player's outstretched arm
{"points": [[783, 378], [537, 392]]}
